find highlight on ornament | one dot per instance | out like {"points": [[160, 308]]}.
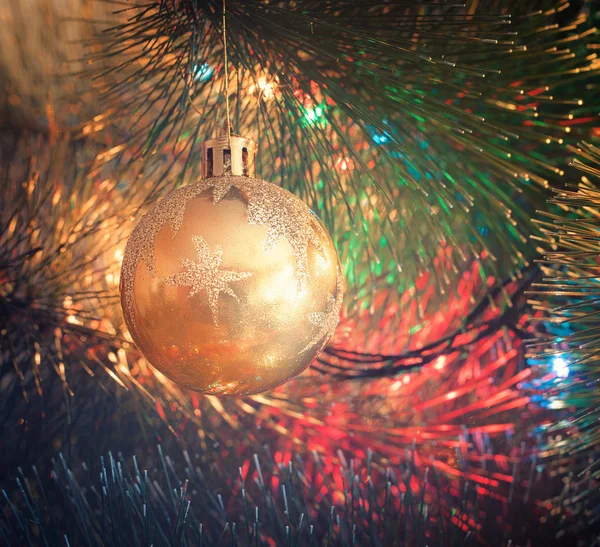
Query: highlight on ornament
{"points": [[231, 285]]}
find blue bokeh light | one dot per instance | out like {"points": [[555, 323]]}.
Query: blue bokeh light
{"points": [[203, 72], [560, 366]]}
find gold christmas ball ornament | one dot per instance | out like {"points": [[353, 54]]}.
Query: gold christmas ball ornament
{"points": [[231, 285]]}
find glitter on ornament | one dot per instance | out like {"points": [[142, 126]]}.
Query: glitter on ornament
{"points": [[328, 320]]}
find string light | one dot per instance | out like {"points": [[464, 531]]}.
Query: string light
{"points": [[203, 72], [266, 88], [344, 164], [314, 114], [380, 137], [560, 366]]}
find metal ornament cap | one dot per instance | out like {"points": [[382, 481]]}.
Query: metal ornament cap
{"points": [[228, 155]]}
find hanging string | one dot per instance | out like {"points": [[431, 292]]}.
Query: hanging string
{"points": [[226, 68]]}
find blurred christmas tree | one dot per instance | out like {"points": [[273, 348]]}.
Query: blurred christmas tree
{"points": [[425, 135]]}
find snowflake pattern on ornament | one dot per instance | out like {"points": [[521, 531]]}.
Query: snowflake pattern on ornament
{"points": [[328, 320], [206, 275], [285, 215]]}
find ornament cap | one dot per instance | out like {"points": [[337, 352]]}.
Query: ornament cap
{"points": [[228, 156]]}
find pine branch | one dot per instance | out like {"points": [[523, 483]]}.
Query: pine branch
{"points": [[567, 299], [303, 500], [404, 125]]}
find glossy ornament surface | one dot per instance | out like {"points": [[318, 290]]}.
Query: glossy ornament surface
{"points": [[230, 285]]}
